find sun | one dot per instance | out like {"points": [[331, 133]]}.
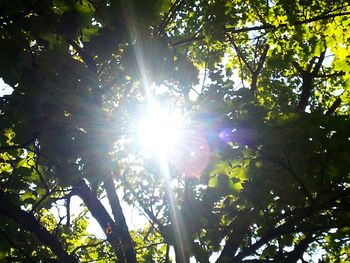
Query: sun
{"points": [[168, 135], [159, 131]]}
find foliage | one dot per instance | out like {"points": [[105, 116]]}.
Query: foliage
{"points": [[262, 173]]}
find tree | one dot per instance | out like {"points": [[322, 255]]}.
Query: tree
{"points": [[261, 173]]}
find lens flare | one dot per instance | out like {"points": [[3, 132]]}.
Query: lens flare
{"points": [[160, 130]]}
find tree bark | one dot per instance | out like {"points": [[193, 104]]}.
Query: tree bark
{"points": [[306, 92], [334, 106], [299, 250], [122, 227], [240, 228], [100, 213]]}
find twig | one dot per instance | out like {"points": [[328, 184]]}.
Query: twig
{"points": [[150, 245], [241, 55], [88, 245], [42, 199], [264, 27], [167, 18]]}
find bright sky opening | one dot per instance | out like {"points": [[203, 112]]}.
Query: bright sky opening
{"points": [[160, 129]]}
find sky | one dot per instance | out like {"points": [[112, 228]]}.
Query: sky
{"points": [[4, 88]]}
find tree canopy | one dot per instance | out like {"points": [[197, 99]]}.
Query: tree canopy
{"points": [[259, 173]]}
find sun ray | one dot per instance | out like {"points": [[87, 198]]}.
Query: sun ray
{"points": [[160, 130]]}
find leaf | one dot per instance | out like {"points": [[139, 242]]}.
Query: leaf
{"points": [[5, 167], [10, 134], [25, 163]]}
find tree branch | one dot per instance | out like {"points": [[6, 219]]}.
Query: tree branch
{"points": [[299, 249], [122, 227], [42, 199], [289, 169], [256, 261], [144, 207], [88, 60], [68, 210], [240, 228], [186, 41], [334, 106], [263, 27], [290, 226], [298, 67], [240, 54], [257, 71], [30, 223], [167, 18], [13, 244], [306, 89], [89, 245], [308, 78], [335, 74], [306, 21], [99, 212], [262, 59], [318, 65], [311, 64]]}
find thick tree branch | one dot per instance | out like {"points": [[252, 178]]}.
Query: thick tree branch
{"points": [[311, 64], [298, 251], [335, 74], [308, 78], [240, 228], [241, 55], [258, 69], [122, 227], [298, 67], [254, 72], [334, 106], [262, 59], [100, 213], [318, 65], [30, 223], [167, 258], [68, 210], [305, 93]]}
